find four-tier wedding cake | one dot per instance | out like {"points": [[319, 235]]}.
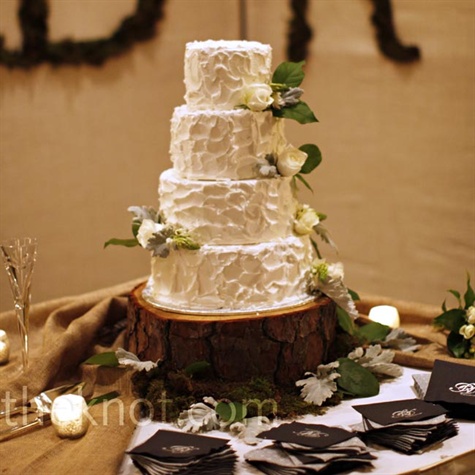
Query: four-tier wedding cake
{"points": [[223, 193], [234, 282]]}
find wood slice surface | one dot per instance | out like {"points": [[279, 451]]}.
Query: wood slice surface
{"points": [[281, 345]]}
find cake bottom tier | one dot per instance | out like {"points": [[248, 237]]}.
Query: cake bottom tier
{"points": [[232, 278], [278, 345]]}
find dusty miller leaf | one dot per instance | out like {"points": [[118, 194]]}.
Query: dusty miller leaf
{"points": [[376, 360], [319, 387]]}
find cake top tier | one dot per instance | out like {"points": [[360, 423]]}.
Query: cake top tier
{"points": [[218, 72]]}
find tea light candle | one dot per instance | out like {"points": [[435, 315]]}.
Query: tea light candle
{"points": [[385, 314], [68, 416], [4, 347]]}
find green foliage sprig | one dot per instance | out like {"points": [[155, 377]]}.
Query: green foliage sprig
{"points": [[285, 84], [460, 323], [153, 234]]}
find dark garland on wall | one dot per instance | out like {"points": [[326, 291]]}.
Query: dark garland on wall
{"points": [[141, 26], [300, 33], [36, 49], [388, 42]]}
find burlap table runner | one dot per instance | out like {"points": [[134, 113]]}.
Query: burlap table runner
{"points": [[66, 331], [63, 333]]}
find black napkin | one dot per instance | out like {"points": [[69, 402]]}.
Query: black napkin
{"points": [[173, 452], [408, 425], [452, 385], [309, 448]]}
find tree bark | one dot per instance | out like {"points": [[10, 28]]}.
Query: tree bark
{"points": [[280, 345]]}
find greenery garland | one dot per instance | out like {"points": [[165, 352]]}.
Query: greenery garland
{"points": [[300, 33], [141, 26], [388, 42], [36, 49]]}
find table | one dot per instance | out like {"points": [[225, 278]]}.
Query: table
{"points": [[66, 331], [457, 454]]}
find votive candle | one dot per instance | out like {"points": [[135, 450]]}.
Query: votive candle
{"points": [[385, 314], [68, 415], [4, 347]]}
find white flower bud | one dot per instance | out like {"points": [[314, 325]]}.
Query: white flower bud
{"points": [[471, 314], [257, 97], [467, 331], [305, 219], [147, 229], [290, 161]]}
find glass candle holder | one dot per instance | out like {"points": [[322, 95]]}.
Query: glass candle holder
{"points": [[68, 415], [385, 314], [4, 347]]}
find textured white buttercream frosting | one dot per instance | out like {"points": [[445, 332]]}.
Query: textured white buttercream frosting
{"points": [[220, 144], [233, 277], [217, 72], [249, 258], [229, 211]]}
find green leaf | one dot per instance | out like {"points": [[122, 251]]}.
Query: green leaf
{"points": [[313, 160], [104, 397], [231, 412], [299, 112], [345, 321], [469, 296], [374, 331], [356, 380], [451, 320], [290, 74], [103, 359], [132, 242], [197, 367], [353, 295], [303, 180], [457, 344], [456, 295]]}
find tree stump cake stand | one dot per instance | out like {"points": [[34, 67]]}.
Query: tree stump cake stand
{"points": [[280, 345]]}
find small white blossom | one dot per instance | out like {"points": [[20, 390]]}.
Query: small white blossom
{"points": [[336, 271], [257, 97], [467, 331], [376, 360], [328, 279], [318, 387], [305, 220], [471, 314], [290, 160], [127, 358], [146, 231]]}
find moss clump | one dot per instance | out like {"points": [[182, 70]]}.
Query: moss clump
{"points": [[171, 392]]}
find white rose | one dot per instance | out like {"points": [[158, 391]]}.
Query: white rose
{"points": [[305, 219], [290, 161], [258, 97], [467, 331], [147, 229], [471, 314]]}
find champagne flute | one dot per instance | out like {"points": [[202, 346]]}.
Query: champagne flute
{"points": [[19, 256]]}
